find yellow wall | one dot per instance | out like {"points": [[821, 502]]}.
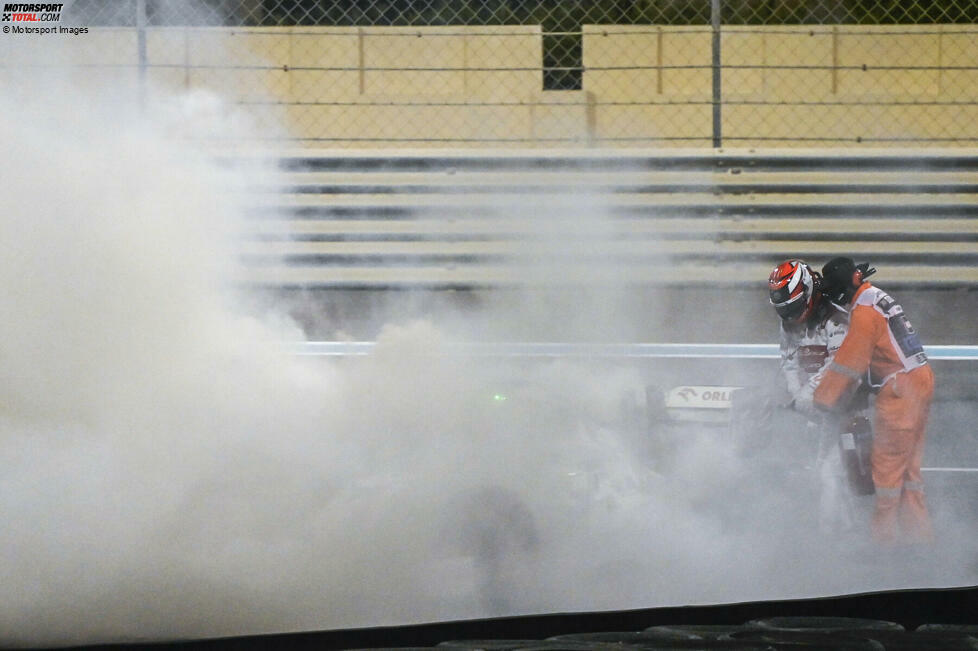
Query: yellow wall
{"points": [[643, 85], [826, 70]]}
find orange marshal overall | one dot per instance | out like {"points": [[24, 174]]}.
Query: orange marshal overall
{"points": [[882, 341]]}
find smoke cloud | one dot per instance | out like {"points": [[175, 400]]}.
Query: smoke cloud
{"points": [[169, 471]]}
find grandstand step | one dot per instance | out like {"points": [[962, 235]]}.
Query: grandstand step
{"points": [[594, 209], [817, 228], [614, 251], [466, 201], [480, 275], [896, 159], [748, 182]]}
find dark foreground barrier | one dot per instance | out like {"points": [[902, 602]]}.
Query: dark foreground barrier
{"points": [[946, 619]]}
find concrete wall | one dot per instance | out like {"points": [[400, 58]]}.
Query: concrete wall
{"points": [[642, 85]]}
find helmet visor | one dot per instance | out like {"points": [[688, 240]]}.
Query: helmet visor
{"points": [[790, 309]]}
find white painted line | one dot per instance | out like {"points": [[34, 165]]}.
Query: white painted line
{"points": [[552, 349], [949, 469]]}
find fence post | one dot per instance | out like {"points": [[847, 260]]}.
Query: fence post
{"points": [[717, 75], [141, 48]]}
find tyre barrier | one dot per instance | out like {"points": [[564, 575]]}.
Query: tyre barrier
{"points": [[963, 629], [695, 631], [807, 641], [488, 645], [923, 641], [609, 637], [650, 645], [882, 634], [570, 645], [650, 642], [823, 624], [772, 634]]}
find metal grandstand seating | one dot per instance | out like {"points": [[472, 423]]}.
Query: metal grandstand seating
{"points": [[461, 219]]}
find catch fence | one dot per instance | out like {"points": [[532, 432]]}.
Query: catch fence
{"points": [[549, 73]]}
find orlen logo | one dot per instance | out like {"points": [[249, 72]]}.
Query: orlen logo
{"points": [[31, 12], [686, 393], [700, 397], [717, 395], [708, 395]]}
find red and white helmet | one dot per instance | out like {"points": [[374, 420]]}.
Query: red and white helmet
{"points": [[794, 290]]}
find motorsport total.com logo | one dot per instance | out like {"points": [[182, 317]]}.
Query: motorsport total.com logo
{"points": [[31, 12]]}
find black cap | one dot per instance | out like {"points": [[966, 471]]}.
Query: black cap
{"points": [[837, 278]]}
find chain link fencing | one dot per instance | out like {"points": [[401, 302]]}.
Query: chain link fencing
{"points": [[552, 73]]}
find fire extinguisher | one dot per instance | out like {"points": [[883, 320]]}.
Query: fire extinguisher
{"points": [[856, 443]]}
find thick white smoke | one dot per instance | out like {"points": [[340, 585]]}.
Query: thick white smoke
{"points": [[168, 471]]}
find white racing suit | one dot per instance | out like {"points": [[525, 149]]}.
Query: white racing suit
{"points": [[806, 351]]}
